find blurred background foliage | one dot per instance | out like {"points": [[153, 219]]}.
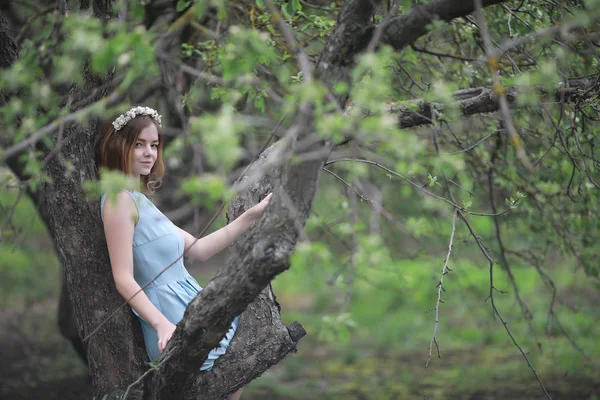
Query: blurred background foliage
{"points": [[364, 282]]}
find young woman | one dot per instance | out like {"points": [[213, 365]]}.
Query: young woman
{"points": [[142, 241]]}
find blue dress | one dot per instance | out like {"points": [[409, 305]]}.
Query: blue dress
{"points": [[156, 244]]}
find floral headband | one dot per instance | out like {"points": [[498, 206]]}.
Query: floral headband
{"points": [[124, 118]]}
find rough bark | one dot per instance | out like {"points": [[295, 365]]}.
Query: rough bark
{"points": [[10, 51], [115, 353], [355, 30], [255, 260], [67, 323]]}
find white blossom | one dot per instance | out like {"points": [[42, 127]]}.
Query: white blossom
{"points": [[127, 116]]}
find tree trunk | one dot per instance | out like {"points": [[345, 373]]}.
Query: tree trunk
{"points": [[115, 353]]}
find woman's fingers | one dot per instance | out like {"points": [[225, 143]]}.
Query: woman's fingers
{"points": [[162, 343], [164, 331]]}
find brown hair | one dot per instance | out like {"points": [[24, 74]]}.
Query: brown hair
{"points": [[113, 150]]}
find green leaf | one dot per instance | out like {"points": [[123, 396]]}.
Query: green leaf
{"points": [[182, 5]]}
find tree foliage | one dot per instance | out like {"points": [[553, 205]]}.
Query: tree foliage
{"points": [[455, 110]]}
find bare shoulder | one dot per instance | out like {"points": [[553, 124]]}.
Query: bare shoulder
{"points": [[120, 208]]}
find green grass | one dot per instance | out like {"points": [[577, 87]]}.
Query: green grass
{"points": [[385, 353], [28, 265]]}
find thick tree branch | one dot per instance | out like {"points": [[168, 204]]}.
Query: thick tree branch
{"points": [[354, 31], [352, 35], [483, 100], [406, 29], [255, 260]]}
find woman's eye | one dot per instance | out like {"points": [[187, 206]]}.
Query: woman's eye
{"points": [[138, 145], [154, 146]]}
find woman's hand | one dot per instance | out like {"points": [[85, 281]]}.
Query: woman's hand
{"points": [[165, 331], [257, 211]]}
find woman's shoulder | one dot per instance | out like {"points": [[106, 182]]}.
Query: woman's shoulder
{"points": [[121, 202]]}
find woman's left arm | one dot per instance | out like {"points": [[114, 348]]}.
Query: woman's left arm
{"points": [[204, 248]]}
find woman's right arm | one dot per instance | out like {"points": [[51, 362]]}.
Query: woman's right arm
{"points": [[119, 217]]}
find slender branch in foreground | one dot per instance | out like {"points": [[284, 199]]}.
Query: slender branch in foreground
{"points": [[440, 288], [351, 261]]}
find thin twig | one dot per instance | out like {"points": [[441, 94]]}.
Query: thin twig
{"points": [[440, 288], [524, 308], [141, 378], [416, 185], [506, 46], [475, 145], [30, 20], [9, 215], [531, 258], [440, 55], [354, 244], [375, 207]]}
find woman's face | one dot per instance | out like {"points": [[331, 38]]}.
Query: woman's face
{"points": [[145, 151]]}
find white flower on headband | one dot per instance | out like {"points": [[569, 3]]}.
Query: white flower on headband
{"points": [[127, 116]]}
